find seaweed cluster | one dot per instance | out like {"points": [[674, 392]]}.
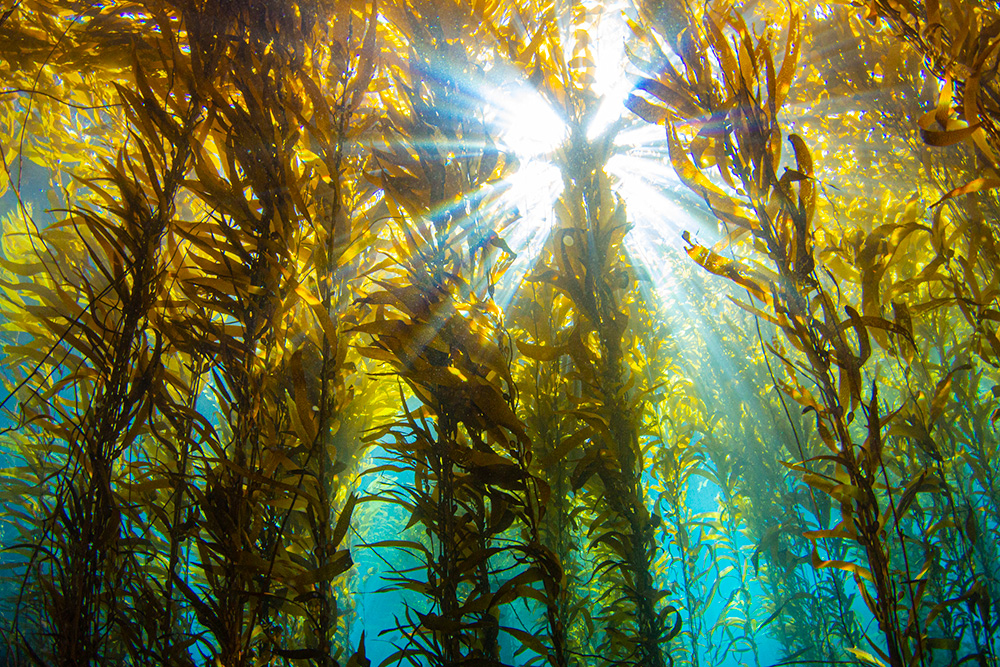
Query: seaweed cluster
{"points": [[281, 348]]}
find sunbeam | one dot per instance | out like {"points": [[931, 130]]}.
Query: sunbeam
{"points": [[529, 127], [530, 194]]}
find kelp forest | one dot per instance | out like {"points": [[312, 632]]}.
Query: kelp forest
{"points": [[484, 333]]}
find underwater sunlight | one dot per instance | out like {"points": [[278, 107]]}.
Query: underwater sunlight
{"points": [[506, 333]]}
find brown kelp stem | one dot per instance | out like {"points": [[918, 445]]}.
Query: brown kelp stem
{"points": [[431, 317], [583, 261], [182, 424], [543, 322], [586, 266], [116, 333], [673, 414], [262, 475], [777, 213], [340, 239]]}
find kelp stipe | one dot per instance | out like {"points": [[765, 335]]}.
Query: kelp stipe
{"points": [[543, 324], [777, 213], [671, 418], [740, 448], [432, 318], [210, 487], [941, 530], [938, 294], [332, 404], [584, 261], [585, 265], [268, 473], [100, 274]]}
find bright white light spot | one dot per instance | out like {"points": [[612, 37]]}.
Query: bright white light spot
{"points": [[649, 187], [531, 193], [611, 109], [530, 127], [610, 79], [642, 135]]}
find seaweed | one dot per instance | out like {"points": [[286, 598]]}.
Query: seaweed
{"points": [[280, 318]]}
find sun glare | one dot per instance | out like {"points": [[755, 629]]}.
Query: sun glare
{"points": [[611, 81], [533, 130], [530, 194], [530, 127]]}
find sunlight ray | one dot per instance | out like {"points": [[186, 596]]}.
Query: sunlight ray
{"points": [[528, 125]]}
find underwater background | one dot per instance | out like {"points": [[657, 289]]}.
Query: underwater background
{"points": [[499, 332]]}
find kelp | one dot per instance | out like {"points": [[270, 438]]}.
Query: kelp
{"points": [[432, 320], [97, 301], [276, 271], [538, 324], [776, 212], [585, 266], [671, 420], [210, 291]]}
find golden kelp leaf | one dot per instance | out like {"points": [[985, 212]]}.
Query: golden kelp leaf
{"points": [[650, 113], [778, 321], [915, 486], [677, 99], [541, 352], [690, 175], [871, 450], [975, 185], [344, 520], [853, 568], [803, 159], [616, 541], [723, 51], [746, 54], [376, 353], [563, 449], [740, 274], [865, 656], [414, 300], [793, 43], [366, 60], [515, 587], [586, 467], [971, 527], [901, 313], [837, 490], [864, 344], [941, 392], [970, 100], [914, 429], [303, 403], [943, 109], [380, 328], [947, 137], [253, 475], [876, 253], [942, 643], [496, 410]]}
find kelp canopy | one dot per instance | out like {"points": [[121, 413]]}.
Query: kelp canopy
{"points": [[441, 332]]}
